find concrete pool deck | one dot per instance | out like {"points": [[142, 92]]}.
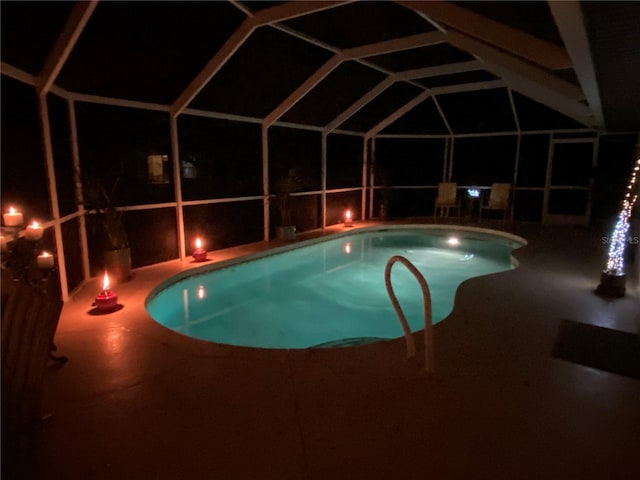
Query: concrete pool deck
{"points": [[137, 400]]}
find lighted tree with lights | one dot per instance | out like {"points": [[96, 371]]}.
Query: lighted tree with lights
{"points": [[612, 282]]}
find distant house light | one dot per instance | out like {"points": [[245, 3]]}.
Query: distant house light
{"points": [[473, 192], [158, 168], [188, 170]]}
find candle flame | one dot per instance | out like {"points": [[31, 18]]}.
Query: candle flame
{"points": [[348, 214], [12, 210], [45, 253], [105, 281], [34, 224], [198, 243]]}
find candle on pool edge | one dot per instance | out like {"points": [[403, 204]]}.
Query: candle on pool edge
{"points": [[34, 231], [12, 218], [106, 300], [45, 260], [199, 254]]}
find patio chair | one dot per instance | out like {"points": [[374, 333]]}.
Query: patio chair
{"points": [[499, 199], [447, 199]]}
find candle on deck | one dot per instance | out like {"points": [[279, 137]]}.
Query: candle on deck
{"points": [[199, 254], [348, 221], [34, 231], [106, 300], [45, 260], [12, 218]]}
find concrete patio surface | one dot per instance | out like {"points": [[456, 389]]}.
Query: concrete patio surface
{"points": [[138, 401]]}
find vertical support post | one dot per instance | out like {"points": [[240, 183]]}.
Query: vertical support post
{"points": [[177, 186], [445, 160], [547, 182], [516, 167], [516, 164], [323, 183], [372, 180], [365, 153], [594, 162], [53, 193], [77, 180], [447, 168], [450, 172], [265, 181]]}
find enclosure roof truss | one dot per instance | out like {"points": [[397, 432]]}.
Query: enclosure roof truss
{"points": [[521, 60]]}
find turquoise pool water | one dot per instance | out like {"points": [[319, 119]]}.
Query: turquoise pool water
{"points": [[330, 293]]}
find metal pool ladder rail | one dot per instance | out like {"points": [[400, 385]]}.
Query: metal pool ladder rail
{"points": [[426, 298]]}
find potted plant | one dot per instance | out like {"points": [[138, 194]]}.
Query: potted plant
{"points": [[284, 187], [117, 253]]}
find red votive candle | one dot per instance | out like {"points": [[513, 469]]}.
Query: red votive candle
{"points": [[199, 254], [106, 300]]}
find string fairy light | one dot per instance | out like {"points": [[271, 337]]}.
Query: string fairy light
{"points": [[615, 261]]}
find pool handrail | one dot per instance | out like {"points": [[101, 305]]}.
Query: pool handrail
{"points": [[426, 297]]}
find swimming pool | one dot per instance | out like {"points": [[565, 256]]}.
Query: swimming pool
{"points": [[329, 292]]}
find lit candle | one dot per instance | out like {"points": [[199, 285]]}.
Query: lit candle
{"points": [[199, 254], [12, 218], [45, 260], [348, 221], [34, 231], [3, 242], [106, 300]]}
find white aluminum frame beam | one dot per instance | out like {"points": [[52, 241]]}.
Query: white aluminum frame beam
{"points": [[444, 117], [503, 63], [264, 139], [365, 166], [410, 105], [177, 187], [278, 13], [78, 18], [395, 45], [233, 43], [503, 36], [570, 22], [379, 48], [414, 74], [79, 195], [295, 9], [356, 106], [439, 70], [17, 74], [465, 87], [240, 6], [43, 109], [299, 93], [469, 87], [528, 79]]}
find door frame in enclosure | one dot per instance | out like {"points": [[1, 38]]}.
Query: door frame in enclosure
{"points": [[582, 180]]}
